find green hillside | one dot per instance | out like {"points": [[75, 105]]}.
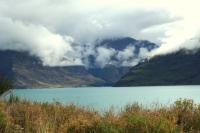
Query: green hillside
{"points": [[180, 68]]}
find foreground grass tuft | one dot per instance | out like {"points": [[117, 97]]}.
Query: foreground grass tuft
{"points": [[21, 116]]}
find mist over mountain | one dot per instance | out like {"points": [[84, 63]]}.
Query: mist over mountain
{"points": [[28, 71], [119, 52]]}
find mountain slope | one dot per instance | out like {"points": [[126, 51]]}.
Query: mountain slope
{"points": [[180, 68], [110, 74]]}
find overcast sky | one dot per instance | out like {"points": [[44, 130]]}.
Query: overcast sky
{"points": [[48, 28]]}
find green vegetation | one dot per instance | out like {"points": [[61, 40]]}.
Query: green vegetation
{"points": [[21, 116], [5, 85]]}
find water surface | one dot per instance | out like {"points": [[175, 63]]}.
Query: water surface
{"points": [[101, 98]]}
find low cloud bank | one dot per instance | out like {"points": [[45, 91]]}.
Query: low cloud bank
{"points": [[64, 32]]}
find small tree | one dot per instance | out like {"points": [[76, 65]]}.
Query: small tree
{"points": [[5, 85]]}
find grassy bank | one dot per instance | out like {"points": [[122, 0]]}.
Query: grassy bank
{"points": [[20, 116]]}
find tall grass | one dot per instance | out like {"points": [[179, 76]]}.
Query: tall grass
{"points": [[22, 116]]}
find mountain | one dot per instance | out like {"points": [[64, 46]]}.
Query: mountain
{"points": [[27, 71], [180, 68], [111, 73], [122, 43]]}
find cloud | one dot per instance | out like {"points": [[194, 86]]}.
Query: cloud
{"points": [[52, 48], [86, 20], [129, 57], [126, 54], [63, 32], [108, 56], [184, 33], [104, 56]]}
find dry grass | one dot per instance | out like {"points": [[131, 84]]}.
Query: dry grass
{"points": [[21, 116]]}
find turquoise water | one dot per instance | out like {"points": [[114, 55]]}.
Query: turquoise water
{"points": [[101, 98]]}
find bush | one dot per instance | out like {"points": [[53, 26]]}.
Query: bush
{"points": [[187, 114], [146, 123]]}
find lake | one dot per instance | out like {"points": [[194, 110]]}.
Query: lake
{"points": [[101, 98]]}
